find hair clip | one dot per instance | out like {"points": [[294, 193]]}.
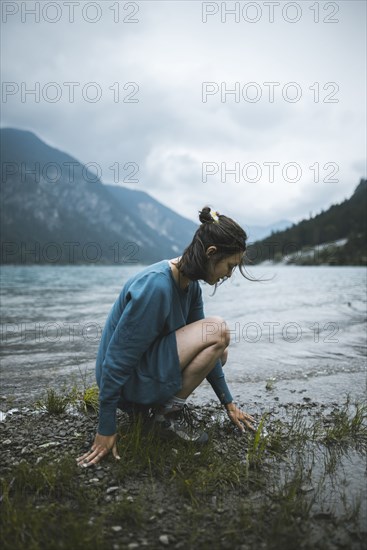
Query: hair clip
{"points": [[214, 215]]}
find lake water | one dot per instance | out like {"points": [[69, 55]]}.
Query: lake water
{"points": [[304, 328], [298, 337]]}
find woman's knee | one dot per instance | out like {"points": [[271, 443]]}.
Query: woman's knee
{"points": [[216, 329]]}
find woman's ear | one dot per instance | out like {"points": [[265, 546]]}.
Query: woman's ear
{"points": [[211, 250]]}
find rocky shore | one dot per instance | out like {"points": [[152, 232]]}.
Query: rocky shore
{"points": [[283, 487]]}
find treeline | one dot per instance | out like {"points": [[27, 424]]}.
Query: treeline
{"points": [[335, 237]]}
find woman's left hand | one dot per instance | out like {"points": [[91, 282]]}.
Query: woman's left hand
{"points": [[239, 417]]}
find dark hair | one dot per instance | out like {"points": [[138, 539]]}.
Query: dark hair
{"points": [[215, 230]]}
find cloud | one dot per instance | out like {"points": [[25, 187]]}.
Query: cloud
{"points": [[170, 132]]}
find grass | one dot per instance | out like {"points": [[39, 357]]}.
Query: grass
{"points": [[342, 426], [53, 403], [34, 501], [270, 489], [57, 403]]}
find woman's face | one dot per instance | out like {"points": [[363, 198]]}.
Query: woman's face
{"points": [[224, 268]]}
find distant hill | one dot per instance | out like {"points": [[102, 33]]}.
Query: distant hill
{"points": [[55, 210], [336, 237]]}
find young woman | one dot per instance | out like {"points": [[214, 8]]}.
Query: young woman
{"points": [[157, 346]]}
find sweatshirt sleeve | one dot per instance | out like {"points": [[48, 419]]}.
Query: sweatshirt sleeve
{"points": [[216, 376], [141, 322]]}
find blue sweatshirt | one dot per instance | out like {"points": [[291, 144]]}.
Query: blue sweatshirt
{"points": [[137, 359]]}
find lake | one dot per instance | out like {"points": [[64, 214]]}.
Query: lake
{"points": [[301, 331]]}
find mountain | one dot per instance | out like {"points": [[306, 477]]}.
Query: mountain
{"points": [[159, 218], [337, 236], [55, 210]]}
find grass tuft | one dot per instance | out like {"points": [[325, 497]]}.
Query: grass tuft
{"points": [[53, 403]]}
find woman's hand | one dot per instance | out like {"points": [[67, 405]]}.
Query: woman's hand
{"points": [[237, 416], [102, 445]]}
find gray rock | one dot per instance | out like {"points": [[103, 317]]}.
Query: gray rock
{"points": [[112, 489], [164, 539]]}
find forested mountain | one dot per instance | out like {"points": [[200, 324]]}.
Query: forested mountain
{"points": [[337, 236]]}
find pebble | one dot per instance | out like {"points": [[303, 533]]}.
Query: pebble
{"points": [[133, 545], [112, 489], [306, 488], [116, 528], [25, 450], [49, 444], [164, 539]]}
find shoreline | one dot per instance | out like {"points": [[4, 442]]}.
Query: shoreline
{"points": [[322, 385], [280, 490]]}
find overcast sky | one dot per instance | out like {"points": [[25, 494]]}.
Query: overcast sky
{"points": [[177, 130]]}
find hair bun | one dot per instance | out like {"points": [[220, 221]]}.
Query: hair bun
{"points": [[205, 215]]}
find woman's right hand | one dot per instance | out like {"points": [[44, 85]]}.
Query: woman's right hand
{"points": [[102, 445]]}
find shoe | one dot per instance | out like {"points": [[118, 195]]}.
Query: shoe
{"points": [[178, 424]]}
